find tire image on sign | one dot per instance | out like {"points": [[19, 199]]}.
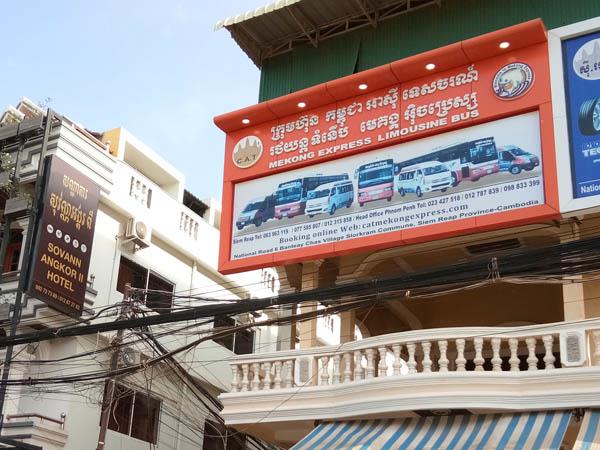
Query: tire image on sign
{"points": [[589, 117]]}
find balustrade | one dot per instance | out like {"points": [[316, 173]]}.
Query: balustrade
{"points": [[140, 191], [188, 225], [364, 362]]}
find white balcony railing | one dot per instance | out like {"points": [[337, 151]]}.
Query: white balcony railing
{"points": [[174, 222], [424, 352], [518, 368]]}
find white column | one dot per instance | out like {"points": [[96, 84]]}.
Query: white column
{"points": [[513, 344], [460, 355], [443, 361], [426, 346], [478, 360], [549, 358], [412, 363], [496, 360]]}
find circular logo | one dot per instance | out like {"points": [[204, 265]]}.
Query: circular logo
{"points": [[586, 62], [512, 81], [247, 152]]}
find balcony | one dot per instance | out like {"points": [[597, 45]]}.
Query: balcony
{"points": [[137, 196], [278, 396], [36, 429]]}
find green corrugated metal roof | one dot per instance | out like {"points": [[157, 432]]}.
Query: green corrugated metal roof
{"points": [[410, 34]]}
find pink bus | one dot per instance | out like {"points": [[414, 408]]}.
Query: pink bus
{"points": [[375, 181], [290, 197]]}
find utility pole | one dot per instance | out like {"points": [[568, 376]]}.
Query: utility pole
{"points": [[109, 391], [26, 249]]}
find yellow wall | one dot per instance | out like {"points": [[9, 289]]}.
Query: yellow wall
{"points": [[113, 136]]}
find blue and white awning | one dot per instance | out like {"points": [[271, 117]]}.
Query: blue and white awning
{"points": [[535, 430], [589, 431]]}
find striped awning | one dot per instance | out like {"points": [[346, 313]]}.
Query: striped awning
{"points": [[589, 431], [535, 430]]}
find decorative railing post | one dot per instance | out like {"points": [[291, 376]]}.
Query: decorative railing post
{"points": [[266, 384], [234, 379], [531, 359], [513, 345], [358, 370], [443, 361], [496, 360], [289, 373], [347, 367], [412, 362], [382, 368], [478, 360], [397, 349], [255, 384], [336, 369], [277, 380], [549, 358], [325, 370], [426, 346], [370, 363], [245, 381], [460, 355]]}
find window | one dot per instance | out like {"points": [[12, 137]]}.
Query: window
{"points": [[140, 277], [217, 437], [134, 414], [13, 252], [241, 342]]}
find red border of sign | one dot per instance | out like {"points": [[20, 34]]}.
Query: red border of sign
{"points": [[483, 47]]}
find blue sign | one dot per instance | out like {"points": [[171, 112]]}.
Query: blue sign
{"points": [[582, 74]]}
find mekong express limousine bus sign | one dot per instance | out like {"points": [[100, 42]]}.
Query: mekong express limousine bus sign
{"points": [[64, 237], [337, 168]]}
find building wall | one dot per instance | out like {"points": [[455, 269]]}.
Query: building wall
{"points": [[408, 35], [177, 251]]}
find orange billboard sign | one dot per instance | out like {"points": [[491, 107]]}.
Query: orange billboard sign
{"points": [[430, 146]]}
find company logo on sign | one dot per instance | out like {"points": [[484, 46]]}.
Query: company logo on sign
{"points": [[247, 152], [512, 81], [586, 62]]}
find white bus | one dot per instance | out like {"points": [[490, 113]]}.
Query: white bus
{"points": [[424, 177]]}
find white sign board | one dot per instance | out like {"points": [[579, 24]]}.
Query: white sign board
{"points": [[485, 169]]}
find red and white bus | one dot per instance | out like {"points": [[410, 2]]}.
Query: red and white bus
{"points": [[469, 160], [375, 181], [290, 197]]}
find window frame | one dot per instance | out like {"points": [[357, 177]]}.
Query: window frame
{"points": [[133, 393], [234, 335], [148, 273]]}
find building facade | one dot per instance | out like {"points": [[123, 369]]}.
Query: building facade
{"points": [[152, 234], [466, 310]]}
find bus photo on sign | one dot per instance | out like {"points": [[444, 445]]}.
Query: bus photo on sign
{"points": [[485, 169]]}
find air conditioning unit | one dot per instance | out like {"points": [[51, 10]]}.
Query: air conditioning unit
{"points": [[131, 357], [138, 232]]}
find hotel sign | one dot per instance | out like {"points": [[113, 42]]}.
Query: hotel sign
{"points": [[64, 237]]}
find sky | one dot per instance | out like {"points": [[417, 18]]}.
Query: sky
{"points": [[154, 67]]}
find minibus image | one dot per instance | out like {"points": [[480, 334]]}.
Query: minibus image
{"points": [[375, 181], [256, 212], [290, 198], [424, 177], [329, 197], [513, 159]]}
